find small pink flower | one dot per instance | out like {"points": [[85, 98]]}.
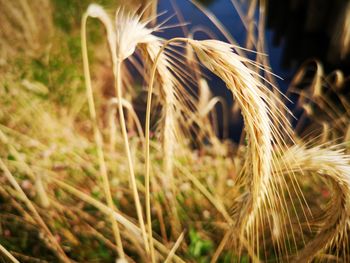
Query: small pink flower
{"points": [[131, 133], [7, 233], [58, 238], [325, 193], [26, 185]]}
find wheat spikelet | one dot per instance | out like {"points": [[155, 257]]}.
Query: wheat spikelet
{"points": [[97, 12], [218, 57], [332, 165], [260, 113]]}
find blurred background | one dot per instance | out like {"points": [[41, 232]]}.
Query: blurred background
{"points": [[304, 40]]}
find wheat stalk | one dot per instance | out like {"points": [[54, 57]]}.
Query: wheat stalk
{"points": [[166, 83], [123, 39], [174, 248], [95, 11], [112, 103], [142, 37], [149, 44]]}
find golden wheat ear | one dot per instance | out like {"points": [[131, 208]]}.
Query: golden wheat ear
{"points": [[259, 115], [332, 165], [260, 110], [218, 58]]}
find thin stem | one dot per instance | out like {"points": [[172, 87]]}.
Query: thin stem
{"points": [[98, 137], [8, 254], [117, 74], [220, 247], [175, 247], [113, 103], [147, 144], [112, 129]]}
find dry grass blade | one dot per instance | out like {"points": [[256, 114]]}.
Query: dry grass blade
{"points": [[130, 226], [22, 27], [8, 254], [174, 248], [31, 207]]}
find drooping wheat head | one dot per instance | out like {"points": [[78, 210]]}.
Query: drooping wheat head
{"points": [[258, 112], [330, 164]]}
